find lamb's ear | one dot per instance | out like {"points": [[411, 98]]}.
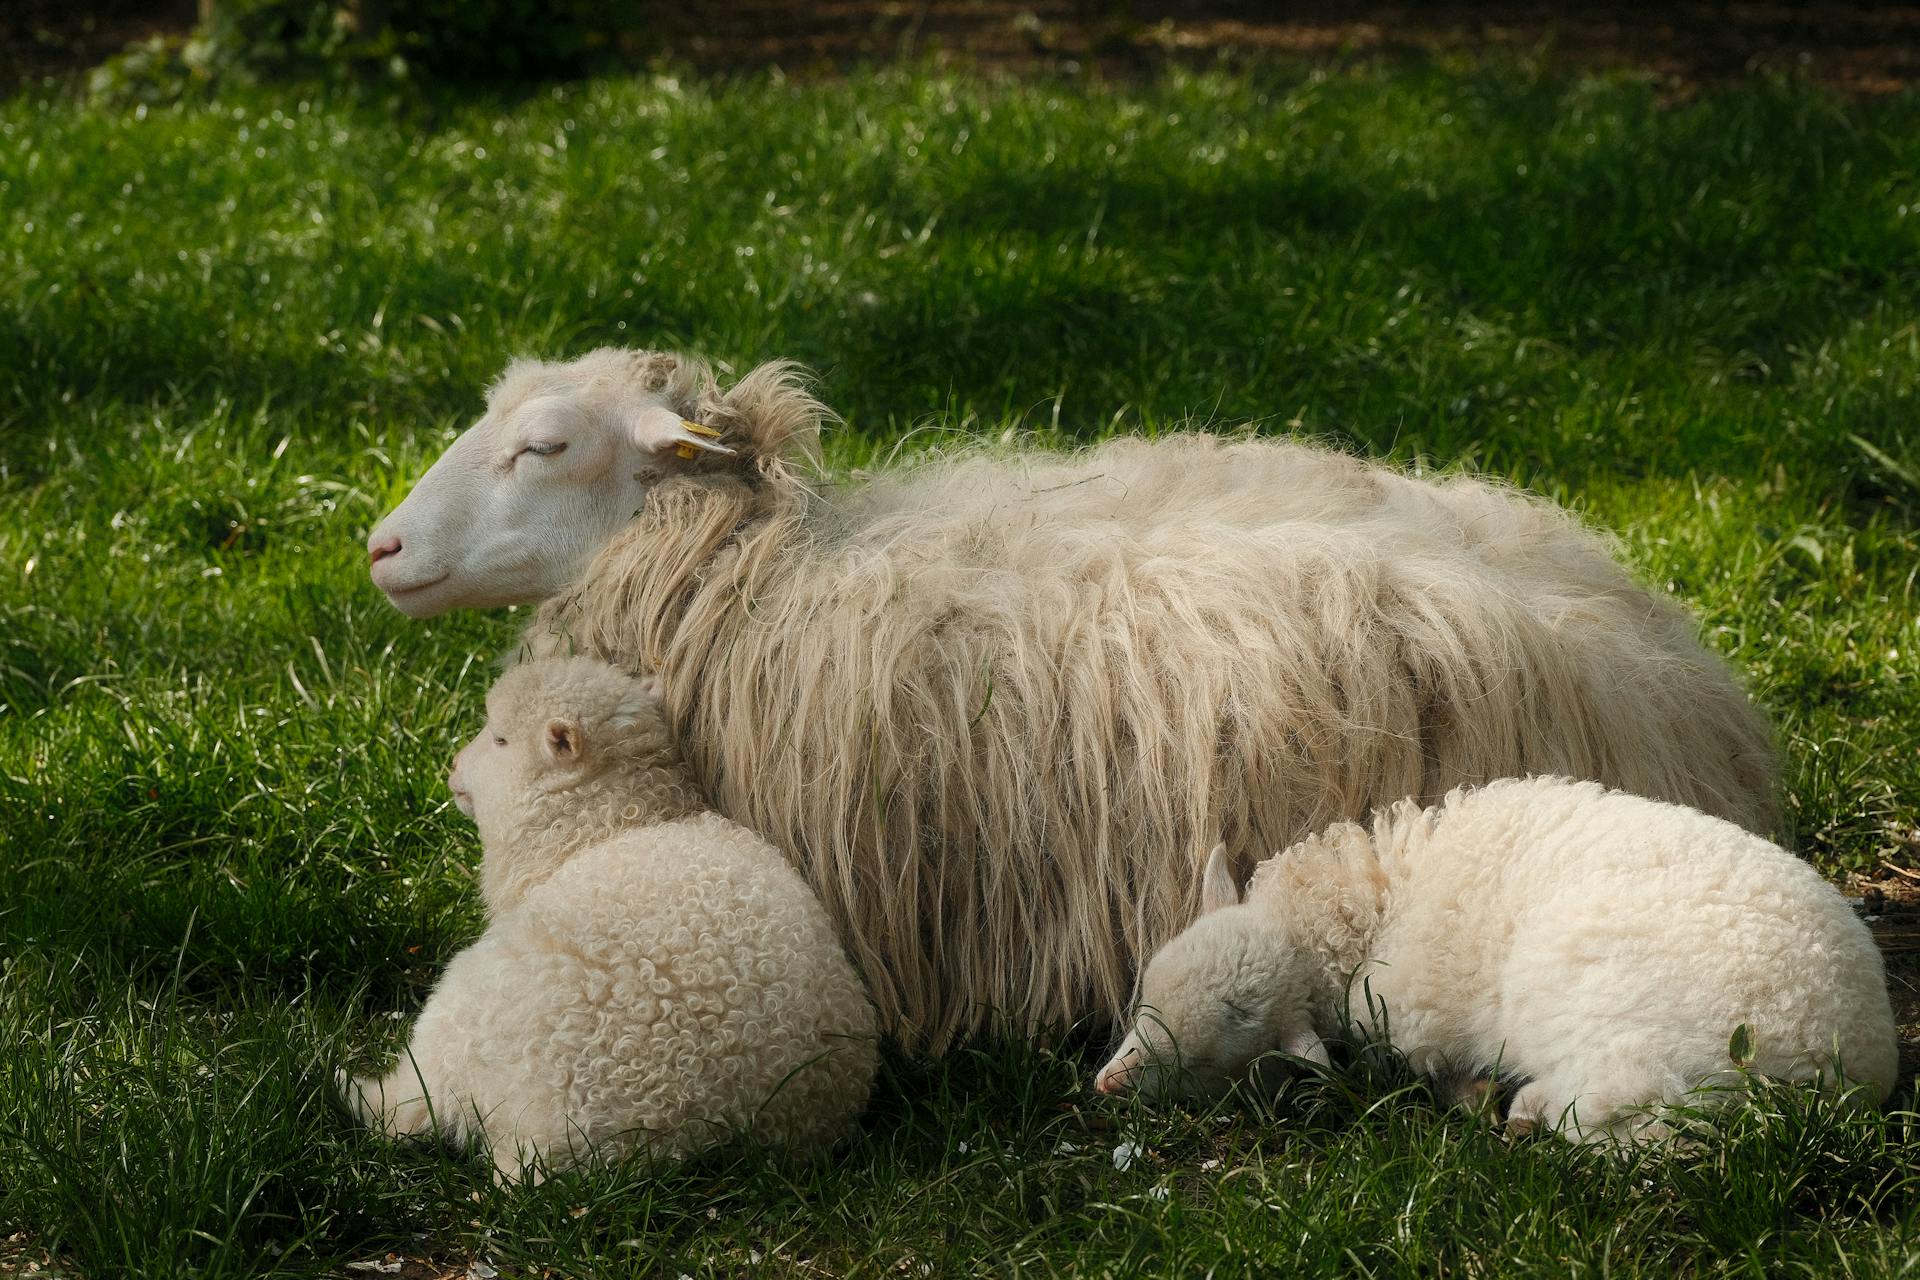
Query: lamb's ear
{"points": [[562, 743], [1217, 887], [658, 429], [1306, 1044]]}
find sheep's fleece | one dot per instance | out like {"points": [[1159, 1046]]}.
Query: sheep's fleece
{"points": [[640, 981], [1599, 948], [998, 708]]}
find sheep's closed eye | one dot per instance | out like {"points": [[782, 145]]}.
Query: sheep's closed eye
{"points": [[543, 448]]}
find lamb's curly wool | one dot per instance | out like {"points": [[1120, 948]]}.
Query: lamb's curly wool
{"points": [[652, 973], [997, 707], [1600, 947]]}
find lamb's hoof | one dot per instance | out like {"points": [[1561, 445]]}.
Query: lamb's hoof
{"points": [[510, 1169], [1475, 1094], [366, 1097], [352, 1095], [1530, 1110]]}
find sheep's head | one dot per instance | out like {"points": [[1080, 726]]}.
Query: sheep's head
{"points": [[1217, 997], [553, 726], [565, 454]]}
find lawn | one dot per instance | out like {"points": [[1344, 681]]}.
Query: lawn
{"points": [[232, 333]]}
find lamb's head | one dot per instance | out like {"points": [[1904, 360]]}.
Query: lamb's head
{"points": [[563, 457], [557, 730], [1214, 999]]}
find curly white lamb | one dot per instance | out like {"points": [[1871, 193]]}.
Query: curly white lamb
{"points": [[1601, 948], [996, 708], [651, 973]]}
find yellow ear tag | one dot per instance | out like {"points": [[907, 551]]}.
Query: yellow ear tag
{"points": [[686, 450]]}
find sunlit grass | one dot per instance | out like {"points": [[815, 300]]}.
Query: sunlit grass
{"points": [[232, 333]]}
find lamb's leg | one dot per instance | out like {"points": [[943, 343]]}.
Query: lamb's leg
{"points": [[395, 1104], [1616, 1110], [522, 1155], [1473, 1093], [1535, 1104], [513, 1163]]}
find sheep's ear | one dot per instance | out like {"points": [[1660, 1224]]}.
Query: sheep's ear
{"points": [[562, 743], [1306, 1044], [660, 430], [1217, 887]]}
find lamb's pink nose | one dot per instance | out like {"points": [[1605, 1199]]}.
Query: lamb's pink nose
{"points": [[1112, 1082], [382, 547]]}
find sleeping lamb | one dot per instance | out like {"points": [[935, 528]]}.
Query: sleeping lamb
{"points": [[1604, 949], [651, 973]]}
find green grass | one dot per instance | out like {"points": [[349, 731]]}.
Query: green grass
{"points": [[231, 334]]}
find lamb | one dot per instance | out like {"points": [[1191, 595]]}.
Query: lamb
{"points": [[1604, 949], [995, 705], [650, 973]]}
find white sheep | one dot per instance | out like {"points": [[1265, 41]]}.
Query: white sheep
{"points": [[995, 708], [1607, 951], [651, 973]]}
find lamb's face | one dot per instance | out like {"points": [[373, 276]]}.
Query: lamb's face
{"points": [[1214, 999], [1228, 990], [500, 764], [552, 725], [519, 503]]}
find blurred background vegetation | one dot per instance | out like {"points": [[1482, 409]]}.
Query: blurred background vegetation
{"points": [[173, 46]]}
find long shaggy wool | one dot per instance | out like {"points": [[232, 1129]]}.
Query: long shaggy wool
{"points": [[998, 708]]}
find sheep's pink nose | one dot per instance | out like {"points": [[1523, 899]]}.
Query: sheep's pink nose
{"points": [[382, 547], [1111, 1082]]}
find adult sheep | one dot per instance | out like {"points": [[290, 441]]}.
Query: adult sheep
{"points": [[998, 707]]}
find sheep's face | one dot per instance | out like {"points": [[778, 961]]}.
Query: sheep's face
{"points": [[517, 505], [553, 725], [1228, 990]]}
